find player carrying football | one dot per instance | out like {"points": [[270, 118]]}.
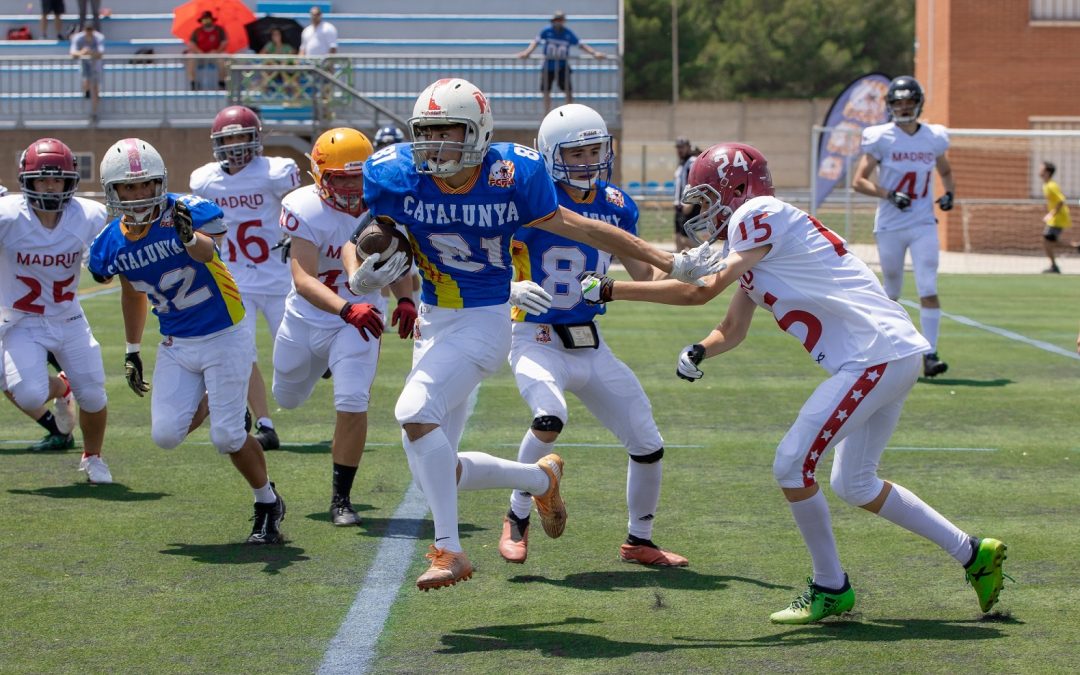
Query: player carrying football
{"points": [[462, 198], [248, 188], [557, 346], [162, 247], [43, 233], [788, 263]]}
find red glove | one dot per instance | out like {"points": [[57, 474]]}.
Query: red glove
{"points": [[365, 317], [406, 314]]}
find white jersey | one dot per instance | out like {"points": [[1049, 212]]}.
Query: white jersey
{"points": [[251, 200], [305, 215], [818, 291], [906, 164], [39, 267]]}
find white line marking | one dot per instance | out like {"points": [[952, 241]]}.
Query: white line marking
{"points": [[101, 291], [1008, 334], [916, 449], [353, 648]]}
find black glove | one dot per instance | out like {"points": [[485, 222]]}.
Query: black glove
{"points": [[944, 202], [134, 373], [185, 228], [101, 279], [902, 200], [285, 245]]}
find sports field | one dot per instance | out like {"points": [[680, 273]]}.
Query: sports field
{"points": [[148, 575]]}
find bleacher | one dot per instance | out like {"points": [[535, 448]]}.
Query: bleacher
{"points": [[393, 56]]}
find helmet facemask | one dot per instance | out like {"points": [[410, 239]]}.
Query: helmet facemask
{"points": [[431, 156], [137, 211], [710, 223], [48, 201], [343, 199], [582, 176], [236, 155]]}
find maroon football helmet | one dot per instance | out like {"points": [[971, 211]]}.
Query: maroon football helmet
{"points": [[231, 121], [721, 179], [48, 158]]}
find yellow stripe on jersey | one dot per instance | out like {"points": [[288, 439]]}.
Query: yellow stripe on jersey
{"points": [[447, 293], [519, 256], [227, 285], [445, 188]]}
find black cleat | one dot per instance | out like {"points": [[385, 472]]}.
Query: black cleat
{"points": [[267, 438], [268, 519], [327, 375], [342, 513], [932, 365]]}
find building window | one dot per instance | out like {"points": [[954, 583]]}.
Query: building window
{"points": [[1055, 10]]}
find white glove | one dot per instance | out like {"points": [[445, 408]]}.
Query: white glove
{"points": [[530, 297], [689, 358], [695, 263], [367, 279]]}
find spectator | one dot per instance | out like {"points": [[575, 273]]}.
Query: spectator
{"points": [[1057, 215], [56, 8], [319, 38], [687, 154], [208, 38], [557, 39], [88, 46], [95, 6], [277, 44]]}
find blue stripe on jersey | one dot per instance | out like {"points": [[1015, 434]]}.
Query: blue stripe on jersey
{"points": [[556, 263], [462, 237], [190, 298]]}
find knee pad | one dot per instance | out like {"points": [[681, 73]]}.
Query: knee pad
{"points": [[227, 441], [167, 438], [856, 493], [547, 423], [288, 400], [31, 395], [92, 401], [650, 458]]}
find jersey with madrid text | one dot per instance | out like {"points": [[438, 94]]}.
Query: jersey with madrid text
{"points": [[556, 263], [251, 201], [190, 298], [906, 164], [304, 215], [461, 237], [39, 267], [818, 291]]}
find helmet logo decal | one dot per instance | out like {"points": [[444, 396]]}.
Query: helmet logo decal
{"points": [[135, 166], [481, 101]]}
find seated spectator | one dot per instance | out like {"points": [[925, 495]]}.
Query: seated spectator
{"points": [[88, 46], [277, 45], [208, 38], [56, 8]]}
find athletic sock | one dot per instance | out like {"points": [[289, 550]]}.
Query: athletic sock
{"points": [[913, 514], [343, 479], [930, 320], [434, 463], [481, 471], [529, 452], [642, 496], [265, 494], [264, 422], [815, 524], [48, 423]]}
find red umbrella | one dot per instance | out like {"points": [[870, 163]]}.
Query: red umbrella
{"points": [[231, 15]]}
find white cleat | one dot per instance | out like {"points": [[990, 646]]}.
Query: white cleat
{"points": [[97, 471], [65, 413]]}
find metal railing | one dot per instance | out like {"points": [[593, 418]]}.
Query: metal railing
{"points": [[153, 90]]}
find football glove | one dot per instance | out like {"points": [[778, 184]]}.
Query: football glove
{"points": [[133, 371], [404, 317], [367, 279], [364, 317], [530, 297], [285, 246], [690, 265], [901, 200], [185, 228], [689, 359], [596, 288], [944, 202], [100, 278]]}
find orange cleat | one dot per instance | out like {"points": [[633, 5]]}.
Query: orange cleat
{"points": [[447, 568], [514, 542], [550, 505], [650, 555]]}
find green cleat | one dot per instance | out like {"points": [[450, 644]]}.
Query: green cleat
{"points": [[53, 442], [984, 573], [815, 604]]}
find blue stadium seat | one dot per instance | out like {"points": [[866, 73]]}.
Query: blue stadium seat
{"points": [[291, 6]]}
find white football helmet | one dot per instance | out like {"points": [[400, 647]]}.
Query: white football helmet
{"points": [[451, 101], [572, 126], [133, 160]]}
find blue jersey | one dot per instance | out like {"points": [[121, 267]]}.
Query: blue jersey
{"points": [[190, 298], [461, 237], [557, 44], [556, 263]]}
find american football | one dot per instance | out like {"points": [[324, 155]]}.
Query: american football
{"points": [[382, 235]]}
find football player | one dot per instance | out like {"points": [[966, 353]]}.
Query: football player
{"points": [[461, 198], [786, 262], [326, 324], [248, 188], [43, 234], [59, 425], [388, 136], [557, 346], [163, 249], [906, 152]]}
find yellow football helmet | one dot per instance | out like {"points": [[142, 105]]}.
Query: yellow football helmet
{"points": [[340, 152]]}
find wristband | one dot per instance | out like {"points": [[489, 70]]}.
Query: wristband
{"points": [[344, 311], [406, 299], [133, 347], [189, 244]]}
